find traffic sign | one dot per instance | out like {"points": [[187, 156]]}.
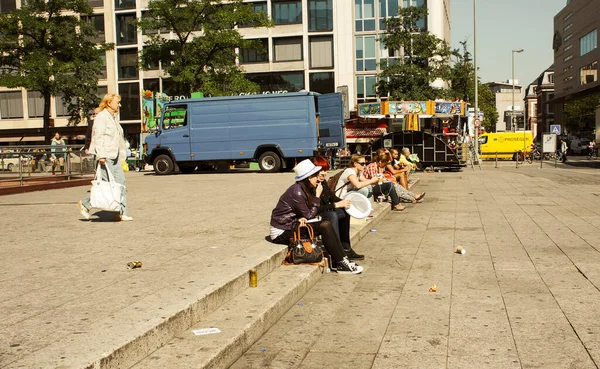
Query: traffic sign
{"points": [[555, 128], [477, 123]]}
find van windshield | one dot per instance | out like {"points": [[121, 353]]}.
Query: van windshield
{"points": [[483, 140], [175, 117]]}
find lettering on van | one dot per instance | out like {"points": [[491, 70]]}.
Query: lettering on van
{"points": [[502, 139], [263, 93]]}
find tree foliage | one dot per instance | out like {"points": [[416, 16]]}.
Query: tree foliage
{"points": [[426, 59], [201, 56], [462, 87], [580, 114], [45, 46]]}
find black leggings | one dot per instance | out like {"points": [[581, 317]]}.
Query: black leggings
{"points": [[386, 188], [340, 220], [330, 239]]}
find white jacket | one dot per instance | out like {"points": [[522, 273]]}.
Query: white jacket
{"points": [[107, 137]]}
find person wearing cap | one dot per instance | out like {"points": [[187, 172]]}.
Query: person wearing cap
{"points": [[108, 144], [300, 203]]}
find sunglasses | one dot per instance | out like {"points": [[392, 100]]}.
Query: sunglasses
{"points": [[361, 162]]}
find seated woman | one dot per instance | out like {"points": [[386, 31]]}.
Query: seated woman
{"points": [[299, 203], [404, 194], [352, 179], [401, 172], [332, 209], [382, 188]]}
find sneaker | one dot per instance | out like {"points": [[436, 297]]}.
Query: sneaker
{"points": [[85, 213], [352, 255], [346, 267], [123, 218]]}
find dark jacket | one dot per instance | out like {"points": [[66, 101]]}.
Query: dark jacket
{"points": [[88, 134], [328, 199], [293, 205]]}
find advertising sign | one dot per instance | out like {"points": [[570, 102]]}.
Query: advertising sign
{"points": [[407, 107], [549, 142], [454, 108]]}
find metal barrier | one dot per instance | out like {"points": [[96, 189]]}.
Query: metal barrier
{"points": [[21, 164], [517, 155]]}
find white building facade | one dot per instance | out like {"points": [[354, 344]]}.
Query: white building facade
{"points": [[315, 45]]}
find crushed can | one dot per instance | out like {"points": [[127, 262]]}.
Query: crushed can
{"points": [[134, 264]]}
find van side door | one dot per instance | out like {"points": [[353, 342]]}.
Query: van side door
{"points": [[175, 131], [332, 128], [209, 128]]}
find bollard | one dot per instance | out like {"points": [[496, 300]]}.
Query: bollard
{"points": [[496, 159]]}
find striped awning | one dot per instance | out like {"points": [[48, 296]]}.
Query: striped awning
{"points": [[374, 132]]}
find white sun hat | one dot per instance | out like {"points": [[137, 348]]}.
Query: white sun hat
{"points": [[360, 205], [305, 169]]}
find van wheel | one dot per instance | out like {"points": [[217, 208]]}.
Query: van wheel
{"points": [[9, 167], [163, 165], [269, 162]]}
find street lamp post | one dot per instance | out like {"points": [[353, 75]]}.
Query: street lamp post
{"points": [[512, 113], [476, 112]]}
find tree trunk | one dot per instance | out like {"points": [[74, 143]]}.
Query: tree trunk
{"points": [[47, 133]]}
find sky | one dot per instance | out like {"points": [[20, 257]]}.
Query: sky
{"points": [[503, 26]]}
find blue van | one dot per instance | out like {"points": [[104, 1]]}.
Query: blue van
{"points": [[274, 129]]}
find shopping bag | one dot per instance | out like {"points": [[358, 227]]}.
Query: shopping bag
{"points": [[106, 195]]}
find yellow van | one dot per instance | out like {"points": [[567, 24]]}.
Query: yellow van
{"points": [[506, 144]]}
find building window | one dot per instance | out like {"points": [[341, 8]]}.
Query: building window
{"points": [[287, 12], [418, 3], [257, 8], [588, 42], [365, 53], [568, 26], [567, 16], [7, 5], [256, 55], [322, 83], [278, 82], [124, 4], [126, 30], [389, 56], [551, 78], [153, 65], [320, 15], [568, 37], [589, 73], [568, 58], [567, 79], [387, 8], [61, 107], [95, 3], [365, 89], [101, 91], [568, 47], [321, 52], [35, 104], [127, 63], [364, 15], [11, 105], [130, 101], [97, 22], [287, 49]]}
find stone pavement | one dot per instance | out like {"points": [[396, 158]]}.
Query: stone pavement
{"points": [[525, 294]]}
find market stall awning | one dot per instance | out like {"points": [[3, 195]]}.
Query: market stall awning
{"points": [[374, 132], [21, 139]]}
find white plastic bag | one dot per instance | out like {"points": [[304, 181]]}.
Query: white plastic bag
{"points": [[106, 195]]}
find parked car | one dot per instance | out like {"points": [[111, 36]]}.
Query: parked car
{"points": [[579, 146], [10, 162]]}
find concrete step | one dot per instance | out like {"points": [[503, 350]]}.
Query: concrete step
{"points": [[248, 316]]}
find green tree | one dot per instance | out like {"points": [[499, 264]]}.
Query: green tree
{"points": [[201, 56], [46, 46], [426, 59], [580, 115], [462, 84]]}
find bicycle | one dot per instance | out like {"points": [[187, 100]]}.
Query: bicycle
{"points": [[590, 153]]}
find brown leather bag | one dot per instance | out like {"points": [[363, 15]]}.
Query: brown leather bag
{"points": [[304, 248]]}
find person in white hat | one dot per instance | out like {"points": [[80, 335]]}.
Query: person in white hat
{"points": [[299, 203]]}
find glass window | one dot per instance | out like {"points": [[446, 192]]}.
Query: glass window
{"points": [[365, 53], [323, 83], [11, 105], [321, 52], [61, 108], [152, 65], [127, 63], [101, 91], [568, 58], [124, 4], [287, 12], [130, 101], [256, 55], [35, 104], [274, 82], [257, 8], [589, 73], [95, 3], [126, 30], [103, 68], [175, 116], [97, 22], [366, 89], [320, 15], [360, 87], [152, 84], [287, 49], [588, 42], [365, 15], [568, 37], [7, 5]]}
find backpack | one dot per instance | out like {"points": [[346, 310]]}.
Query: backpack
{"points": [[333, 180]]}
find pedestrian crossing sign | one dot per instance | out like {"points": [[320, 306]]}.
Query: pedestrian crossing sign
{"points": [[555, 128]]}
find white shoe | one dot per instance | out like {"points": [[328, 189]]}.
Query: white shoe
{"points": [[347, 267], [123, 218], [85, 213]]}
